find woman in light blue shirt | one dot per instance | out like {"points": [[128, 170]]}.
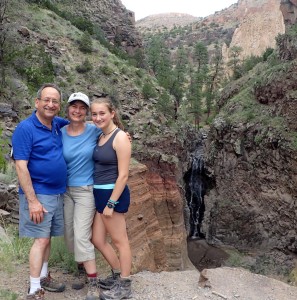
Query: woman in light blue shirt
{"points": [[79, 140]]}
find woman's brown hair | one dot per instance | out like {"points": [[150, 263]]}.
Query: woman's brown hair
{"points": [[110, 106]]}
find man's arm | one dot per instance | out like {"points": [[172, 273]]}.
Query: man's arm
{"points": [[36, 210]]}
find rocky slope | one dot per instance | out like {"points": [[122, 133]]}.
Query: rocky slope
{"points": [[116, 22]]}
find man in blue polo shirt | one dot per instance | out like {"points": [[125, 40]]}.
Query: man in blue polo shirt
{"points": [[42, 174]]}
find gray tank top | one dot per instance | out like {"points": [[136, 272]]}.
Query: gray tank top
{"points": [[106, 162]]}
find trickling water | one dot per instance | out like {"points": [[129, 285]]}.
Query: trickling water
{"points": [[202, 255], [195, 190]]}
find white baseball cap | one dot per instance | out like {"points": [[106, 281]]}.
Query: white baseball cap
{"points": [[79, 96]]}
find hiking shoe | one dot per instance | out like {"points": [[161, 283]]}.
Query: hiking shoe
{"points": [[93, 292], [80, 279], [109, 281], [38, 295], [51, 285], [120, 290]]}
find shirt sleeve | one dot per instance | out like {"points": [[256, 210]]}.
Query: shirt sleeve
{"points": [[61, 122], [22, 141]]}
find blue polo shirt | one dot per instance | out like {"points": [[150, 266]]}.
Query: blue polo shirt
{"points": [[43, 149]]}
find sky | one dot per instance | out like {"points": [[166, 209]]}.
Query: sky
{"points": [[196, 8]]}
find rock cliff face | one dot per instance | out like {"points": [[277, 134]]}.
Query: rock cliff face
{"points": [[165, 158], [254, 24], [289, 10], [257, 30], [155, 221], [252, 165], [254, 168]]}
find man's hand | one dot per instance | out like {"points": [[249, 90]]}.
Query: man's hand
{"points": [[36, 211]]}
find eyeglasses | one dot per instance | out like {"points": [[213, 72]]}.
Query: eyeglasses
{"points": [[48, 101]]}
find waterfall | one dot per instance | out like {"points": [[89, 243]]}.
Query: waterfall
{"points": [[195, 190]]}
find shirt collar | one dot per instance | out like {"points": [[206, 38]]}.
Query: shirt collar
{"points": [[37, 123]]}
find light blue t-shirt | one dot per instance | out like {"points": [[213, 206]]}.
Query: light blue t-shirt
{"points": [[78, 151]]}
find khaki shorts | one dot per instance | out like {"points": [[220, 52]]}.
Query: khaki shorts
{"points": [[79, 211]]}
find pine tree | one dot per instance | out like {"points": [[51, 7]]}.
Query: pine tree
{"points": [[201, 55], [153, 53], [214, 77], [179, 78], [234, 61], [195, 96]]}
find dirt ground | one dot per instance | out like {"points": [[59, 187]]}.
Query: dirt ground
{"points": [[211, 284]]}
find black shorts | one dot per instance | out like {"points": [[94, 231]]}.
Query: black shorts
{"points": [[103, 195]]}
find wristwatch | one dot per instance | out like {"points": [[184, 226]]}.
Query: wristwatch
{"points": [[110, 205]]}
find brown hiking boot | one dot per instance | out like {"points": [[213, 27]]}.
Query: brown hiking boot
{"points": [[50, 284], [38, 295]]}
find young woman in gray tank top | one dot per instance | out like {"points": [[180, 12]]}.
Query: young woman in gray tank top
{"points": [[112, 197]]}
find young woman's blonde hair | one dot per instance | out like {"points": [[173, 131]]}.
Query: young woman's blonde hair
{"points": [[111, 108]]}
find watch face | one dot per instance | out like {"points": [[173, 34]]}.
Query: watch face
{"points": [[109, 205]]}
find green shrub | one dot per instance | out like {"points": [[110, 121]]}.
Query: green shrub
{"points": [[294, 141], [85, 67], [165, 105], [86, 43], [267, 53], [148, 90], [124, 70], [106, 70], [13, 248], [293, 276], [60, 256], [8, 295], [35, 65], [3, 163], [140, 73], [82, 23], [138, 82], [8, 174], [98, 34]]}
